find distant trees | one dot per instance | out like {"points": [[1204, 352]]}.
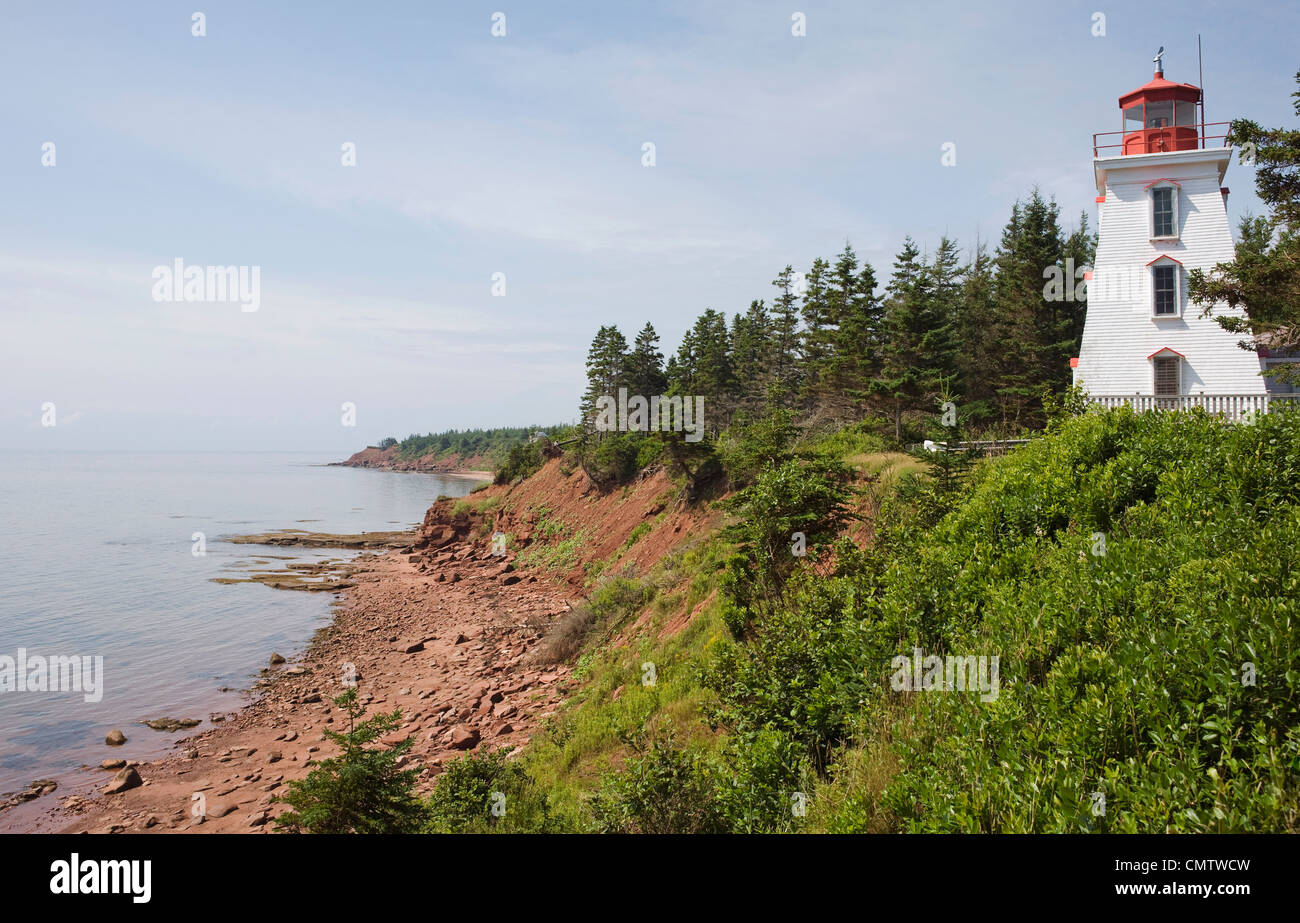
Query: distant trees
{"points": [[491, 443]]}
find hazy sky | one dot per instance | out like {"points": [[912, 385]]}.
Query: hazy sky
{"points": [[519, 155]]}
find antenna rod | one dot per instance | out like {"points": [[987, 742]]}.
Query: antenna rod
{"points": [[1200, 76]]}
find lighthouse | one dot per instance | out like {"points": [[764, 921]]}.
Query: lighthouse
{"points": [[1162, 212]]}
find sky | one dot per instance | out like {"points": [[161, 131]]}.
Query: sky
{"points": [[516, 161]]}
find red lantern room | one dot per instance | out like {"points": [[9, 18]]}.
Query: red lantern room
{"points": [[1160, 116]]}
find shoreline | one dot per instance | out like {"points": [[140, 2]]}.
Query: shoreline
{"points": [[444, 635]]}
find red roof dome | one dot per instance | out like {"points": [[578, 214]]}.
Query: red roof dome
{"points": [[1161, 89]]}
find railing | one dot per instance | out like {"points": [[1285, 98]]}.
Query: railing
{"points": [[983, 446], [1159, 140], [1231, 406]]}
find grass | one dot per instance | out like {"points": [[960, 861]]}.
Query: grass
{"points": [[610, 704], [482, 505], [559, 556]]}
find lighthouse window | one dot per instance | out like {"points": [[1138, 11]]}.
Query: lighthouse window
{"points": [[1162, 216], [1160, 114], [1166, 369], [1164, 280]]}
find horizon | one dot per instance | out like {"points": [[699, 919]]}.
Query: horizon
{"points": [[519, 154]]}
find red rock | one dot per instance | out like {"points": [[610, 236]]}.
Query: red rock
{"points": [[463, 738]]}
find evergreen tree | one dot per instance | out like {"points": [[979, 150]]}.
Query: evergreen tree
{"points": [[1079, 252], [816, 342], [703, 367], [784, 361], [645, 364], [606, 367], [977, 337], [1035, 330], [750, 347], [859, 319], [916, 358], [362, 790]]}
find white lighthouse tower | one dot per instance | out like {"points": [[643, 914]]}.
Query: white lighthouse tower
{"points": [[1162, 212]]}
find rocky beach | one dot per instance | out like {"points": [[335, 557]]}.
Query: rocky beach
{"points": [[442, 634], [429, 622]]}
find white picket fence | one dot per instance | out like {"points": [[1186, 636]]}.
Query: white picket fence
{"points": [[1231, 406]]}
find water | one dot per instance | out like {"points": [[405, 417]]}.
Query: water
{"points": [[96, 559]]}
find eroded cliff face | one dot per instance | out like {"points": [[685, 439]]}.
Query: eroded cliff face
{"points": [[554, 507]]}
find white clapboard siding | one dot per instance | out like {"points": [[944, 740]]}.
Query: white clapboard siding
{"points": [[1120, 332]]}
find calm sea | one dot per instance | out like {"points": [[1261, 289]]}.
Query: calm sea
{"points": [[96, 559]]}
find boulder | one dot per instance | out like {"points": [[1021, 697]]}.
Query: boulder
{"points": [[463, 738], [126, 779], [115, 738]]}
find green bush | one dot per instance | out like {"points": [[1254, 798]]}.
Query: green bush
{"points": [[747, 450], [360, 791], [486, 792], [520, 461], [1126, 569], [790, 510], [666, 788]]}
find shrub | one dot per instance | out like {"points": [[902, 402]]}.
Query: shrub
{"points": [[609, 605], [665, 788], [360, 791], [566, 636], [746, 451], [808, 499], [484, 792], [1124, 662], [521, 460]]}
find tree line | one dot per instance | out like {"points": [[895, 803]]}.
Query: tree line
{"points": [[993, 332]]}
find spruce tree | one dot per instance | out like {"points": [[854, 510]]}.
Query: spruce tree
{"points": [[645, 364], [784, 361], [606, 369], [977, 337], [750, 346], [362, 790], [859, 318], [917, 357], [816, 341]]}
